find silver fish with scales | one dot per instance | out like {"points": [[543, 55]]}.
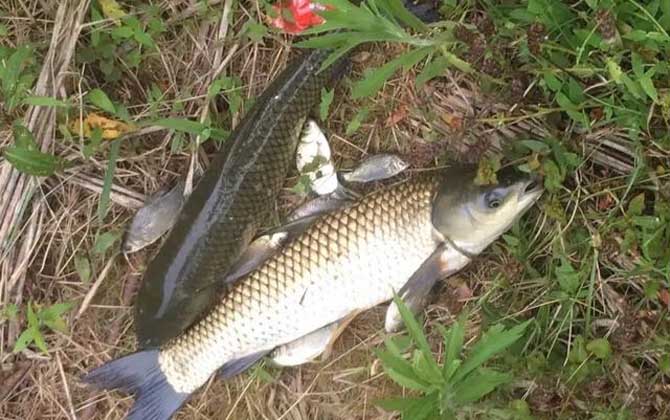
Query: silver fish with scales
{"points": [[402, 238]]}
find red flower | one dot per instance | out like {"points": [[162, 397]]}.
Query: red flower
{"points": [[294, 16]]}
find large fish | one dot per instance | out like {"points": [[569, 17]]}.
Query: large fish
{"points": [[234, 197], [402, 238]]}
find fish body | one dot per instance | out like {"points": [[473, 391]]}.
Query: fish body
{"points": [[231, 201], [399, 239], [376, 167]]}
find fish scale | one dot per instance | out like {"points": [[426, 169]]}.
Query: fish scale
{"points": [[351, 259]]}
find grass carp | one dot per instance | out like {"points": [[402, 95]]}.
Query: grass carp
{"points": [[402, 239]]}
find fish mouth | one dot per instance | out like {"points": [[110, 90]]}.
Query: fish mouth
{"points": [[531, 191]]}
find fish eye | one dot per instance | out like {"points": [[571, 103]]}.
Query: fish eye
{"points": [[493, 199], [494, 204]]}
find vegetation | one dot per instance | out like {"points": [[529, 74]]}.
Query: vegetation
{"points": [[565, 317]]}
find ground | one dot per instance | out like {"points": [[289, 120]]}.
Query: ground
{"points": [[589, 265]]}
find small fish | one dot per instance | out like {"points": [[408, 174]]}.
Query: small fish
{"points": [[156, 217], [403, 238], [376, 167]]}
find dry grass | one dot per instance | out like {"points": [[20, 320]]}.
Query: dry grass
{"points": [[60, 221]]}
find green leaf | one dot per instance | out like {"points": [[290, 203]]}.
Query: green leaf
{"points": [[254, 31], [39, 341], [326, 99], [31, 317], [179, 124], [405, 16], [374, 79], [105, 241], [103, 204], [144, 39], [426, 368], [454, 345], [23, 138], [415, 331], [94, 143], [600, 347], [478, 384], [636, 205], [111, 9], [648, 87], [100, 99], [552, 175], [44, 101], [637, 64], [568, 278], [122, 32], [494, 341], [435, 68], [83, 267], [664, 364], [32, 162], [401, 371], [355, 123], [25, 339]]}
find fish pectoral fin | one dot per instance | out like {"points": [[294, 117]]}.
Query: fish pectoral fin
{"points": [[415, 292], [310, 346], [237, 366], [256, 253]]}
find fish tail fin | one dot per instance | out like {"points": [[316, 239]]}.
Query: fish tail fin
{"points": [[140, 374]]}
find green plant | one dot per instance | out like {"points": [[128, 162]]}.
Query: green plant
{"points": [[457, 383], [38, 319]]}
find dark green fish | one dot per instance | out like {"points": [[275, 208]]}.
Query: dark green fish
{"points": [[234, 197]]}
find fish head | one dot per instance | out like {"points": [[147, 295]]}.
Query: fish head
{"points": [[471, 215]]}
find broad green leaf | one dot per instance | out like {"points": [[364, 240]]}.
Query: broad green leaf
{"points": [[427, 369], [179, 124], [426, 408], [144, 38], [83, 267], [54, 311], [44, 101], [326, 99], [415, 331], [478, 384], [664, 364], [600, 347], [494, 341], [568, 278], [254, 31], [39, 341], [31, 317], [25, 339], [636, 205], [648, 87], [111, 9], [32, 162], [637, 64], [105, 241], [103, 204], [100, 99], [615, 71], [552, 175], [122, 32], [401, 371], [23, 138]]}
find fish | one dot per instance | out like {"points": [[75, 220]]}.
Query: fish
{"points": [[154, 218], [231, 201], [401, 239], [376, 167]]}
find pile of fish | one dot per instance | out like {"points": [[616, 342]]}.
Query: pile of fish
{"points": [[220, 294]]}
